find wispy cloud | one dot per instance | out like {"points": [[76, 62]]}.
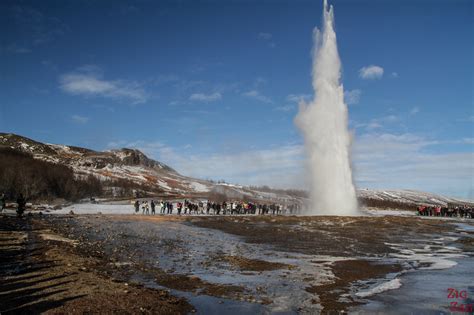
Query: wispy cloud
{"points": [[377, 123], [89, 81], [371, 72], [255, 94], [201, 97], [468, 140], [352, 97], [415, 110], [285, 108], [147, 147], [80, 119], [297, 98], [15, 49], [36, 28], [467, 119], [267, 37], [401, 161]]}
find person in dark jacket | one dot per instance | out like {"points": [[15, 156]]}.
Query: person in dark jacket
{"points": [[137, 206], [2, 203], [21, 202], [152, 207]]}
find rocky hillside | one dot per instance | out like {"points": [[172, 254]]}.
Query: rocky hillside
{"points": [[126, 164]]}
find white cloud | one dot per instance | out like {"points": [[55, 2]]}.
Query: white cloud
{"points": [[394, 74], [285, 108], [80, 119], [415, 110], [373, 125], [201, 97], [14, 48], [352, 97], [377, 123], [371, 72], [248, 167], [468, 140], [256, 95], [297, 98], [88, 81], [400, 161], [265, 36]]}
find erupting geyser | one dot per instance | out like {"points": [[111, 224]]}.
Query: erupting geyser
{"points": [[324, 125]]}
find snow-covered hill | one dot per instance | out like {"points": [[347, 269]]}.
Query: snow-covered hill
{"points": [[408, 197]]}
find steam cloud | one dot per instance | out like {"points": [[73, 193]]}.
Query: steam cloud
{"points": [[324, 125]]}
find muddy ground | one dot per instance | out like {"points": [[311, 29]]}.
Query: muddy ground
{"points": [[42, 272], [129, 264]]}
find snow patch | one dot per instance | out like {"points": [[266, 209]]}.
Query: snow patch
{"points": [[97, 208], [390, 285], [199, 187]]}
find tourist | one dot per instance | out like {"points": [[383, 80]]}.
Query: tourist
{"points": [[137, 206], [2, 203], [21, 205], [152, 207]]}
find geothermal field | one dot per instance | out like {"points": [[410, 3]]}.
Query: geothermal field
{"points": [[380, 262], [210, 168]]}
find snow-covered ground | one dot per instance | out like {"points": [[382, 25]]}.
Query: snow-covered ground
{"points": [[88, 208]]}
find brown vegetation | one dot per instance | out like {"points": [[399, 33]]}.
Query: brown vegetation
{"points": [[36, 179], [386, 204]]}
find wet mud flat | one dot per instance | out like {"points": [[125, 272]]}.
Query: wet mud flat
{"points": [[240, 264], [43, 272], [272, 264], [359, 250]]}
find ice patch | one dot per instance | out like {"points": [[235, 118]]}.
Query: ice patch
{"points": [[390, 285], [434, 256]]}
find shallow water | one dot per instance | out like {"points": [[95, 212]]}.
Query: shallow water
{"points": [[428, 290], [425, 291]]}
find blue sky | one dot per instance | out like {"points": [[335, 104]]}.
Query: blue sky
{"points": [[212, 87]]}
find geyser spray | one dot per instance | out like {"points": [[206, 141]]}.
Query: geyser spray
{"points": [[324, 125]]}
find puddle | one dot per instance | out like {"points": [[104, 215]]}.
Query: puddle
{"points": [[424, 292]]}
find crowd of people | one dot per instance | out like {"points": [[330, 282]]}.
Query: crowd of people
{"points": [[209, 207], [449, 211]]}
